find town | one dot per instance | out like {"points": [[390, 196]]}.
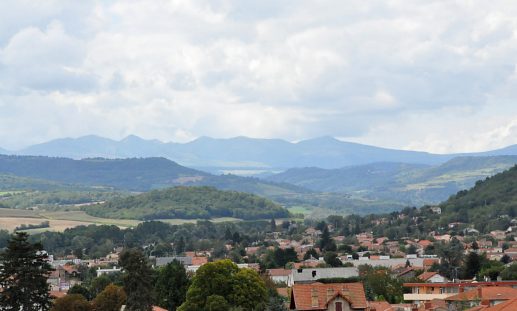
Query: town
{"points": [[308, 265]]}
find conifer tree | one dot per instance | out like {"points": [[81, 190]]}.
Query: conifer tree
{"points": [[137, 280], [24, 271]]}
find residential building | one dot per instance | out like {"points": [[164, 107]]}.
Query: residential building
{"points": [[328, 297], [314, 274]]}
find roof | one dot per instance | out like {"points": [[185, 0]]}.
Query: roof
{"points": [[156, 308], [379, 306], [485, 293], [314, 274], [278, 272], [352, 292], [162, 261], [510, 305], [427, 275], [199, 261]]}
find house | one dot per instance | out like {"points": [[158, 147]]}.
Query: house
{"points": [[436, 210], [328, 297], [509, 305], [422, 292], [498, 234], [163, 261], [108, 271], [407, 273], [432, 277], [487, 296], [279, 275], [313, 275]]}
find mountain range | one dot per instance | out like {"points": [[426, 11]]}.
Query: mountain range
{"points": [[239, 154]]}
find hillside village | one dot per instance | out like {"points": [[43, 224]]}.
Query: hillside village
{"points": [[322, 269]]}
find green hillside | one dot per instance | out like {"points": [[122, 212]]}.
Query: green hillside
{"points": [[491, 202], [189, 203], [409, 184]]}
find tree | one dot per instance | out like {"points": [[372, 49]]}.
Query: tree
{"points": [[311, 252], [332, 259], [220, 284], [137, 280], [472, 265], [171, 286], [72, 302], [325, 240], [81, 290], [273, 225], [24, 275], [110, 299]]}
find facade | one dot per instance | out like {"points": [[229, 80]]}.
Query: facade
{"points": [[315, 274], [422, 292]]}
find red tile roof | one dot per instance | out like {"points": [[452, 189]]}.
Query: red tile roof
{"points": [[510, 305], [302, 295], [485, 293], [155, 308], [278, 272], [427, 275], [379, 306]]}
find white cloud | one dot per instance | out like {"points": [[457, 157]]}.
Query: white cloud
{"points": [[429, 75]]}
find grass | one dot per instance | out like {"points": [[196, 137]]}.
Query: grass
{"points": [[298, 209]]}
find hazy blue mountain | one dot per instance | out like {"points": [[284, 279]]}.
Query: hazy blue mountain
{"points": [[239, 153], [410, 183]]}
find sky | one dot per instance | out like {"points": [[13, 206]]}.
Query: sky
{"points": [[437, 76]]}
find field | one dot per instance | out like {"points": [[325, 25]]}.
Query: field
{"points": [[61, 220]]}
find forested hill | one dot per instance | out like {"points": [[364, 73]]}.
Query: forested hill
{"points": [[131, 174], [136, 174], [189, 203], [493, 199]]}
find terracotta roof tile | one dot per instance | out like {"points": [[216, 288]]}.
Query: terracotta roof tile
{"points": [[379, 306], [427, 275], [486, 293], [302, 294], [510, 305]]}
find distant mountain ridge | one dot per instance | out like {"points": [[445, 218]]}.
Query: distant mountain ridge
{"points": [[233, 153], [242, 153]]}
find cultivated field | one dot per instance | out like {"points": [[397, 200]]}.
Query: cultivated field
{"points": [[61, 220]]}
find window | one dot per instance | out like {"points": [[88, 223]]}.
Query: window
{"points": [[314, 297], [339, 306]]}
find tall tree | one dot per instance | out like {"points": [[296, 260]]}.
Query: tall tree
{"points": [[72, 302], [24, 275], [171, 286], [137, 280], [110, 299]]}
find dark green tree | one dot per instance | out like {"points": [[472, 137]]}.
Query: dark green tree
{"points": [[472, 265], [137, 280], [332, 259], [171, 286], [311, 252], [80, 290], [24, 275]]}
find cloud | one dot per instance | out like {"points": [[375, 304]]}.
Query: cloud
{"points": [[393, 73]]}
